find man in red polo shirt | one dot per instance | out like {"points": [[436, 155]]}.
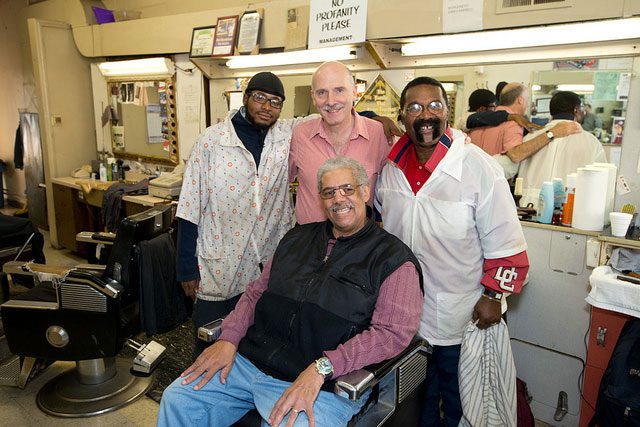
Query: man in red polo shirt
{"points": [[450, 203]]}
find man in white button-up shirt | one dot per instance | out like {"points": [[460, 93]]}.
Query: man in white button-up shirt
{"points": [[450, 203]]}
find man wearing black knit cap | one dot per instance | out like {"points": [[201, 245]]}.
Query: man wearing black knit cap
{"points": [[479, 100], [234, 206]]}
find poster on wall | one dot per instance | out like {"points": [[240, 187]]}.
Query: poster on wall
{"points": [[381, 98], [154, 124], [576, 64], [337, 22]]}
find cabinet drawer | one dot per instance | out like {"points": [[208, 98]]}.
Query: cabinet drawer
{"points": [[598, 355]]}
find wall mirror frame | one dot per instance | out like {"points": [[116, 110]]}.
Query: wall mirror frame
{"points": [[144, 122]]}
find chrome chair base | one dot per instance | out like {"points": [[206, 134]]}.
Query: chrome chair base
{"points": [[94, 387]]}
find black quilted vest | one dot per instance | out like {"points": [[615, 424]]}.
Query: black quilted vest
{"points": [[313, 302]]}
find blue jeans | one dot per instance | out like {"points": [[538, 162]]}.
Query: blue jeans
{"points": [[442, 383], [247, 388]]}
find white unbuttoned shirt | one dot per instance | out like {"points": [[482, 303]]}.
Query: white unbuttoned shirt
{"points": [[241, 213], [557, 159], [461, 216]]}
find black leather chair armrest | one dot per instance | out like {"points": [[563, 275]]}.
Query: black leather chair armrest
{"points": [[210, 331], [354, 384]]}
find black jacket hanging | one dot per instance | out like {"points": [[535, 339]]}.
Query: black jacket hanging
{"points": [[18, 150]]}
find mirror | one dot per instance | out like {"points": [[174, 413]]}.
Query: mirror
{"points": [[143, 120], [603, 83]]}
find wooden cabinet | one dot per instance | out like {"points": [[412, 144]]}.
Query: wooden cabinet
{"points": [[72, 216], [603, 335]]}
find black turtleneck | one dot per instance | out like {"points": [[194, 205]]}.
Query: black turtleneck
{"points": [[251, 136]]}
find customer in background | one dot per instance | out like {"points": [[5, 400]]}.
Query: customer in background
{"points": [[563, 155], [234, 206], [339, 131], [480, 100], [338, 295], [450, 203], [591, 121]]}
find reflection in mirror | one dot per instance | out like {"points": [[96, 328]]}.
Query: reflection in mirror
{"points": [[605, 92], [143, 120], [601, 86]]}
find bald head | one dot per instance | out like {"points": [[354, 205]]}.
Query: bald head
{"points": [[334, 69], [515, 96]]}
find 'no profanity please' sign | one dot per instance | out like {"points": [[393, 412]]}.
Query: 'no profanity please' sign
{"points": [[337, 22]]}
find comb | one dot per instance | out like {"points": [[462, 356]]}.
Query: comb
{"points": [[628, 208]]}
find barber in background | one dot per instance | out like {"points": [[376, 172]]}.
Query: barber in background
{"points": [[449, 202], [591, 120], [234, 205]]}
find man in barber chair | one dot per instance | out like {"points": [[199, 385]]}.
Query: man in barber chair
{"points": [[337, 296]]}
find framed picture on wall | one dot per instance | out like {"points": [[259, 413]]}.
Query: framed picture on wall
{"points": [[224, 40], [202, 41]]}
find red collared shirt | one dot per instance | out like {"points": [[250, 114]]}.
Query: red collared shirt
{"points": [[404, 155]]}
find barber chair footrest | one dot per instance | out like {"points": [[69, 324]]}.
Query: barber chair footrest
{"points": [[65, 396], [10, 371]]}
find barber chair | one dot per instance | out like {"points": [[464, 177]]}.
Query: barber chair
{"points": [[394, 383], [84, 315]]}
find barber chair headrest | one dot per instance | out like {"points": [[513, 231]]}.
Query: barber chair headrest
{"points": [[132, 230]]}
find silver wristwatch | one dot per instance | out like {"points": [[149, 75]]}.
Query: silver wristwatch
{"points": [[550, 135], [324, 367]]}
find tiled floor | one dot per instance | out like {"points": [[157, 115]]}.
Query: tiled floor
{"points": [[18, 407]]}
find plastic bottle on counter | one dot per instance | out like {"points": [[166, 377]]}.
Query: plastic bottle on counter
{"points": [[558, 193], [517, 190], [570, 194], [103, 173], [545, 203]]}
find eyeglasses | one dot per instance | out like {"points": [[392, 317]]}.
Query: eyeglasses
{"points": [[260, 98], [415, 109], [345, 190]]}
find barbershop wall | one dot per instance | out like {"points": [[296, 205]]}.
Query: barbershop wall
{"points": [[13, 96]]}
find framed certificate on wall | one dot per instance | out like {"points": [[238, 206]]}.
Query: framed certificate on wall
{"points": [[225, 38], [202, 41], [249, 32]]}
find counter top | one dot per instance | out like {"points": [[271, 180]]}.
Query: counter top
{"points": [[77, 183], [633, 241], [560, 228]]}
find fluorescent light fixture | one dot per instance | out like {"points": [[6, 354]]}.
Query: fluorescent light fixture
{"points": [[550, 35], [146, 67], [576, 88], [535, 88], [337, 53]]}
